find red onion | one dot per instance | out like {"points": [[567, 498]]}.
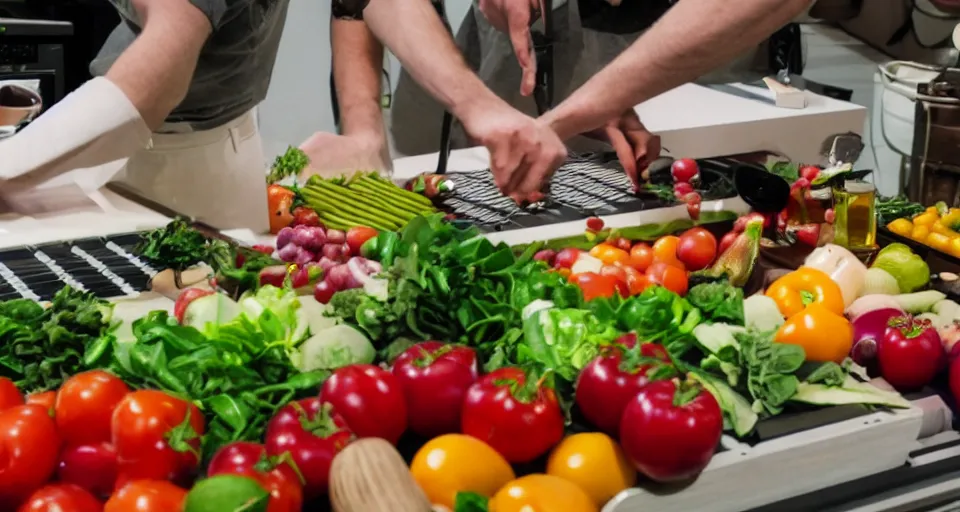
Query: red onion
{"points": [[289, 253], [868, 330], [284, 237]]}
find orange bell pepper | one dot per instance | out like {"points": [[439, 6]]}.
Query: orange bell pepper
{"points": [[823, 334], [804, 286], [541, 493]]}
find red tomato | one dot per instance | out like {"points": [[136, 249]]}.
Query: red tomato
{"points": [[809, 172], [435, 377], [727, 241], [641, 256], [697, 248], [147, 496], [312, 433], [566, 258], [910, 353], [304, 216], [47, 399], [277, 477], [358, 235], [670, 434], [185, 298], [279, 201], [665, 251], [92, 467], [520, 420], [29, 443], [637, 281], [9, 394], [669, 277], [684, 170], [369, 399], [618, 272], [61, 498], [595, 224], [157, 436], [607, 384], [85, 405], [594, 285], [622, 243]]}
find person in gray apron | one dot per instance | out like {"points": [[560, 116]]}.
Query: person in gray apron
{"points": [[588, 34]]}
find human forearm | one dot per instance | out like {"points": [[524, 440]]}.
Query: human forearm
{"points": [[156, 70], [357, 61], [414, 33], [694, 37]]}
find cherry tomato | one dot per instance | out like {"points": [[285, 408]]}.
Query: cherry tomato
{"points": [[369, 399], [637, 281], [186, 297], [521, 420], [641, 256], [29, 443], [595, 463], [85, 405], [727, 241], [697, 248], [607, 383], [809, 172], [609, 254], [147, 496], [61, 498], [566, 258], [665, 250], [358, 235], [277, 477], [669, 277], [619, 272], [684, 170], [157, 436], [47, 399], [622, 243], [279, 201], [595, 224], [9, 394], [670, 432], [594, 285], [435, 377], [304, 216], [92, 467]]}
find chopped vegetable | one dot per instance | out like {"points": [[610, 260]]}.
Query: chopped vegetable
{"points": [[919, 302], [880, 282], [762, 314], [176, 246], [335, 347]]}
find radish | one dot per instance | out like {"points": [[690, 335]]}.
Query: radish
{"points": [[304, 256], [284, 237], [326, 264], [335, 236], [273, 275], [546, 255], [684, 170], [289, 253], [324, 291], [185, 298], [333, 252], [309, 237]]}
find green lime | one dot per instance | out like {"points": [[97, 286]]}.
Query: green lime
{"points": [[227, 493]]}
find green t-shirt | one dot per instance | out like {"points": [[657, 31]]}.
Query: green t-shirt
{"points": [[235, 65]]}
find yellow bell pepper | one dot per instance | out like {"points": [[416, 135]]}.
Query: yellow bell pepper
{"points": [[926, 219], [938, 242], [454, 463], [803, 287], [920, 233], [902, 227], [823, 334], [941, 228], [541, 493], [952, 219], [594, 462]]}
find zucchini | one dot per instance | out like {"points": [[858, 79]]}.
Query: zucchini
{"points": [[852, 392]]}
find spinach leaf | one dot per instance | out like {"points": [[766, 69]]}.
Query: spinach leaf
{"points": [[719, 301]]}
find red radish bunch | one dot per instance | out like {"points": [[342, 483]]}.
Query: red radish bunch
{"points": [[355, 273], [686, 173]]}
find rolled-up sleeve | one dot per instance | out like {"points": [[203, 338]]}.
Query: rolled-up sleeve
{"points": [[213, 9]]}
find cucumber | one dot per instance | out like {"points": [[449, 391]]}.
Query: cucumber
{"points": [[852, 392], [919, 302], [736, 409], [211, 311]]}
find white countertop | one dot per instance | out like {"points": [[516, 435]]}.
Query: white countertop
{"points": [[693, 121]]}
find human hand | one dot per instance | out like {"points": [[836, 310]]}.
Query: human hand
{"points": [[635, 146], [524, 152], [514, 17], [331, 154]]}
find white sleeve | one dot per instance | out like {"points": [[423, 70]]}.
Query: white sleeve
{"points": [[94, 125]]}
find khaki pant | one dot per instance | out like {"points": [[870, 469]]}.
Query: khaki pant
{"points": [[216, 176]]}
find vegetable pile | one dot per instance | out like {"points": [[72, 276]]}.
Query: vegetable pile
{"points": [[588, 366], [936, 226]]}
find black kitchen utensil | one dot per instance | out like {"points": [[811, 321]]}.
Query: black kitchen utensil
{"points": [[764, 191]]}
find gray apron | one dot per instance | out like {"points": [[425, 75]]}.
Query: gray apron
{"points": [[579, 53]]}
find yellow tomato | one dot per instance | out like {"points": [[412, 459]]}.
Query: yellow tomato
{"points": [[541, 493], [938, 242], [933, 210], [939, 227], [925, 219], [955, 247], [453, 463], [920, 233], [902, 227], [609, 254], [594, 462]]}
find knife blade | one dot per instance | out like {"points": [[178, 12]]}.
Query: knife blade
{"points": [[741, 93]]}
